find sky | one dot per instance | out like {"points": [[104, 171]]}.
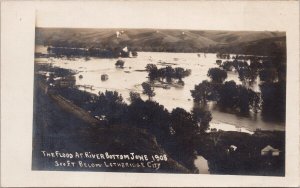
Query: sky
{"points": [[200, 15]]}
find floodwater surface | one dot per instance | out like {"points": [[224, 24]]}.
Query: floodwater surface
{"points": [[131, 77]]}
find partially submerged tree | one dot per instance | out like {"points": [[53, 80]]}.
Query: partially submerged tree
{"points": [[217, 75], [273, 97], [268, 75], [202, 118], [181, 73], [182, 123], [228, 95], [134, 96], [202, 92], [148, 90], [134, 53], [167, 73], [152, 71], [120, 63]]}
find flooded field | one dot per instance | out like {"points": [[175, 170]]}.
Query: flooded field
{"points": [[132, 76], [202, 165]]}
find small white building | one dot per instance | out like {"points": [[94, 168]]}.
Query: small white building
{"points": [[269, 150], [230, 149], [233, 147], [125, 49]]}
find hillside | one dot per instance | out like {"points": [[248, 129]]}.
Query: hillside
{"points": [[55, 129], [268, 46], [153, 40]]}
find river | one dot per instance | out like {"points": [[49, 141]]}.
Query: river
{"points": [[130, 79], [202, 165]]}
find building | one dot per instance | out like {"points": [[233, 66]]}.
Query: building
{"points": [[232, 147], [68, 81], [270, 151]]}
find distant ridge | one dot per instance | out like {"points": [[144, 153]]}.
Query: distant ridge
{"points": [[164, 39]]}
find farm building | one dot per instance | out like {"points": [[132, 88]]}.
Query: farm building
{"points": [[269, 150], [68, 81]]}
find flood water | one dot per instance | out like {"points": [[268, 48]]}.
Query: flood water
{"points": [[130, 79], [202, 165]]}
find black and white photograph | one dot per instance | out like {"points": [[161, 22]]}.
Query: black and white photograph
{"points": [[160, 100], [178, 93]]}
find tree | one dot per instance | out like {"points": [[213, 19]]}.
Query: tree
{"points": [[181, 73], [169, 73], [134, 96], [161, 73], [243, 99], [247, 75], [255, 100], [217, 75], [238, 97], [120, 63], [134, 53], [273, 100], [152, 116], [255, 65], [186, 131], [183, 123], [240, 65], [152, 71], [202, 92], [227, 65], [202, 118], [151, 67], [268, 75], [247, 99], [148, 90], [228, 95], [111, 104], [219, 62]]}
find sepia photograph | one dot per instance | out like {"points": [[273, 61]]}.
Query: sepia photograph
{"points": [[150, 93], [160, 101]]}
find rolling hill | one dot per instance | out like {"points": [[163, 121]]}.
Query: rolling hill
{"points": [[162, 40]]}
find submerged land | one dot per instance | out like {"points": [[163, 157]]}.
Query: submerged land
{"points": [[69, 119]]}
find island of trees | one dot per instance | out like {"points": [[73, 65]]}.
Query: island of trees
{"points": [[271, 72], [167, 73], [58, 51]]}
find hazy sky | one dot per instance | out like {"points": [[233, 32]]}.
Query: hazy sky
{"points": [[215, 15]]}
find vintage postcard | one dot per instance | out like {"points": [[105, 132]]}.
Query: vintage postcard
{"points": [[116, 93], [160, 100]]}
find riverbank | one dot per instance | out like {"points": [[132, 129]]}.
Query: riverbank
{"points": [[57, 129]]}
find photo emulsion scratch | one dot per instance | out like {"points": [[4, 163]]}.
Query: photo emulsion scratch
{"points": [[160, 101]]}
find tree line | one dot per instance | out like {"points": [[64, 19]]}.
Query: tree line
{"points": [[90, 52], [270, 100], [176, 131], [167, 73]]}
